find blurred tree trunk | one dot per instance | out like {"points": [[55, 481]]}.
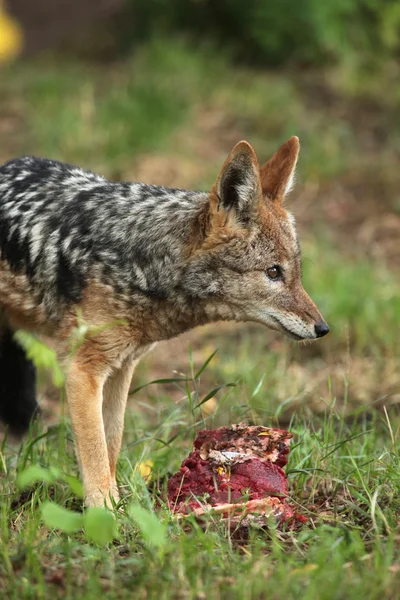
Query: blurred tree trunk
{"points": [[47, 23]]}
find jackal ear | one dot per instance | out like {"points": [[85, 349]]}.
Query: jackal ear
{"points": [[238, 187], [277, 175]]}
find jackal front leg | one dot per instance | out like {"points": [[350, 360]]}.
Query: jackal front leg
{"points": [[84, 388], [115, 396]]}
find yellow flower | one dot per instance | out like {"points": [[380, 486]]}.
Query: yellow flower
{"points": [[11, 38], [209, 407], [145, 469]]}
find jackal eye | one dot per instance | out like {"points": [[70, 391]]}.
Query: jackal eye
{"points": [[274, 272]]}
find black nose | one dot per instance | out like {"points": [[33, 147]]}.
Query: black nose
{"points": [[321, 329]]}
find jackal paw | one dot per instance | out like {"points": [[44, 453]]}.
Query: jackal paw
{"points": [[102, 499], [114, 492]]}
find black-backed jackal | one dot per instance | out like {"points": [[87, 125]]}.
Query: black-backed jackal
{"points": [[157, 261]]}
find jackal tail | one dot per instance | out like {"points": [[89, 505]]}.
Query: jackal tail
{"points": [[18, 404]]}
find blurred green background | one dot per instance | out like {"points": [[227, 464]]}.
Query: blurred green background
{"points": [[160, 90]]}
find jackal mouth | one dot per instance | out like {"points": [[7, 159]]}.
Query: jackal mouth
{"points": [[288, 332]]}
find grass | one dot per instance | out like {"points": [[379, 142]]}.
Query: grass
{"points": [[344, 476], [169, 115]]}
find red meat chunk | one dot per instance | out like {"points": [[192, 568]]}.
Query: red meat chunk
{"points": [[260, 479], [231, 468]]}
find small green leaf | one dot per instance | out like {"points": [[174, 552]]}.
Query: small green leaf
{"points": [[157, 381], [153, 531], [205, 365], [57, 517], [100, 526], [75, 485], [41, 355], [258, 386], [212, 394], [34, 474]]}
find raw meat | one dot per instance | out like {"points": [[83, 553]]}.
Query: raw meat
{"points": [[236, 471]]}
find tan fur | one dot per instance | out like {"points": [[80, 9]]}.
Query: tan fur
{"points": [[84, 388], [115, 395], [277, 172], [18, 300], [97, 401]]}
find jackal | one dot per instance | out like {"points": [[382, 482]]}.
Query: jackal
{"points": [[156, 261]]}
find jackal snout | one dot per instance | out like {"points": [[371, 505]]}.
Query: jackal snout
{"points": [[310, 316], [296, 315]]}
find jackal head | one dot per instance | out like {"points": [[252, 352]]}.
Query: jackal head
{"points": [[247, 264]]}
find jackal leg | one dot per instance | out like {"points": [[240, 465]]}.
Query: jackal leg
{"points": [[84, 388], [115, 396]]}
